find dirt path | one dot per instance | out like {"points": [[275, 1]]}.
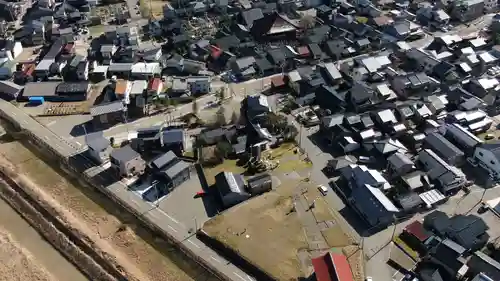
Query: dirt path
{"points": [[16, 263], [13, 226], [123, 242]]}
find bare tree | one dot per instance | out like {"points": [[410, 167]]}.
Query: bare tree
{"points": [[307, 22], [235, 117], [220, 116]]}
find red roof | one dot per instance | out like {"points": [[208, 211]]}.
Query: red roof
{"points": [[28, 69], [215, 51], [303, 51], [278, 81], [417, 229], [332, 267], [154, 84]]}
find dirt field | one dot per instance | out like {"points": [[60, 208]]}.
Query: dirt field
{"points": [[17, 264], [269, 235], [267, 231], [115, 233]]}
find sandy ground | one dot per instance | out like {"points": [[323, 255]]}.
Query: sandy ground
{"points": [[16, 263], [126, 243]]}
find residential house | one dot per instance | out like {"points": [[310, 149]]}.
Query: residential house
{"points": [[107, 52], [128, 162], [145, 71], [120, 70], [9, 90], [155, 138], [402, 30], [487, 155], [332, 264], [82, 71], [449, 177], [400, 164], [462, 138], [482, 263], [259, 184], [413, 84], [432, 16], [99, 147], [137, 96], [446, 253], [445, 149], [108, 114], [43, 69], [155, 87], [10, 49], [422, 60], [467, 10], [368, 198], [361, 96], [174, 170], [231, 188], [273, 25], [244, 67]]}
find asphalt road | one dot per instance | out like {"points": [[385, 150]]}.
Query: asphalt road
{"points": [[119, 190]]}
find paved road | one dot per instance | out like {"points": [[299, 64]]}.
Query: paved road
{"points": [[119, 190]]}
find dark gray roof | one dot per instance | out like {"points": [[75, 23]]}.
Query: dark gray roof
{"points": [[442, 146], [40, 89], [173, 136], [163, 160], [177, 167], [249, 16], [96, 141], [409, 201], [462, 136], [105, 108], [120, 67], [10, 88], [332, 120], [228, 182], [494, 147], [124, 154], [399, 160]]}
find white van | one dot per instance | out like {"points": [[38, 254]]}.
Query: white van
{"points": [[323, 189]]}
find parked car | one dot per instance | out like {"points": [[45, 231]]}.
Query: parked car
{"points": [[323, 189]]}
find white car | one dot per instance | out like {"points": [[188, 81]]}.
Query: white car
{"points": [[323, 189]]}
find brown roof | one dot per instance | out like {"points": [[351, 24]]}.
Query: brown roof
{"points": [[278, 81], [383, 20], [417, 230], [121, 87]]}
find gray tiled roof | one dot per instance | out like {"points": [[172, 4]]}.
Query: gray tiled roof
{"points": [[105, 108], [124, 154]]}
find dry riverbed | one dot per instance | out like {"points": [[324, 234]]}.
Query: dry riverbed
{"points": [[115, 233]]}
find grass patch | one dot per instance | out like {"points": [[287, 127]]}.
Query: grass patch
{"points": [[226, 166], [264, 232], [409, 251]]}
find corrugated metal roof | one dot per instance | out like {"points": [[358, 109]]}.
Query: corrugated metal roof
{"points": [[432, 197], [105, 108], [332, 267]]}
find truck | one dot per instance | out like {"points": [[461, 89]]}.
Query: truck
{"points": [[36, 101]]}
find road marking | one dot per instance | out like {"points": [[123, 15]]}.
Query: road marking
{"points": [[239, 276], [77, 142], [175, 230], [212, 257], [171, 218], [194, 244], [51, 123]]}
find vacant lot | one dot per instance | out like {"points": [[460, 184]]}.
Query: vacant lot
{"points": [[265, 232], [126, 243], [268, 231], [17, 264]]}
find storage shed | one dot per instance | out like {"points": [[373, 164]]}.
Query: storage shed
{"points": [[231, 188], [259, 184]]}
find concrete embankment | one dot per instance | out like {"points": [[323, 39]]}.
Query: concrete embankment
{"points": [[58, 235]]}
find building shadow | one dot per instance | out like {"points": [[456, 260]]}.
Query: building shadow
{"points": [[83, 129]]}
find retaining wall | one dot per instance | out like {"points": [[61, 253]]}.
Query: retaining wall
{"points": [[50, 151]]}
